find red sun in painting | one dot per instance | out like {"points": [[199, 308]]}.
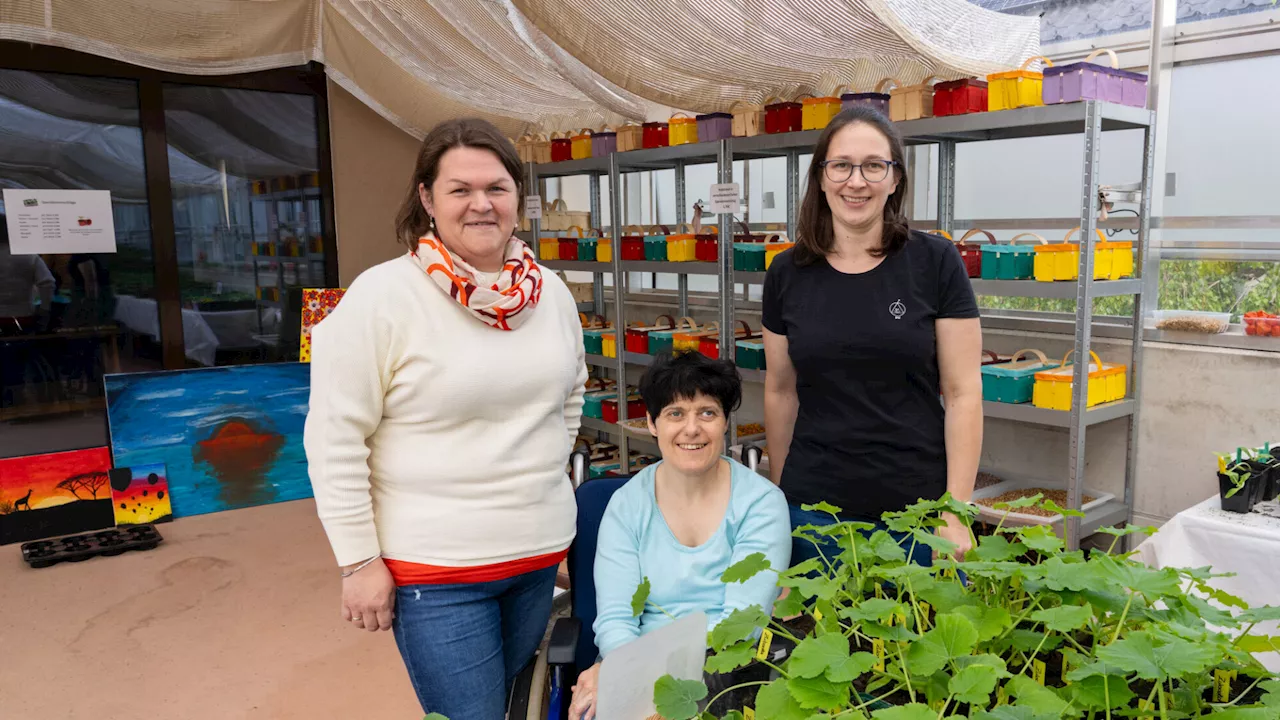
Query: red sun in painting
{"points": [[239, 454]]}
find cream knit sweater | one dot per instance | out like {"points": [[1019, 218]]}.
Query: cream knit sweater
{"points": [[435, 438]]}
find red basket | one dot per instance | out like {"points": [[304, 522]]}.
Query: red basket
{"points": [[561, 148], [959, 97], [609, 408], [707, 248], [638, 337], [655, 135], [710, 346], [568, 248], [781, 117], [972, 254]]}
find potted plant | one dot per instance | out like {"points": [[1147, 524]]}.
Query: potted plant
{"points": [[1018, 629], [1240, 482]]}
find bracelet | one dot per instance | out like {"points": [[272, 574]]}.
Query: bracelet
{"points": [[361, 566]]}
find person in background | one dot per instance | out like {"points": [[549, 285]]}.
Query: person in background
{"points": [[446, 394], [24, 279], [866, 323], [683, 521]]}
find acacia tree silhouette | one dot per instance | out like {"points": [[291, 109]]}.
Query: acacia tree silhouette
{"points": [[90, 483]]}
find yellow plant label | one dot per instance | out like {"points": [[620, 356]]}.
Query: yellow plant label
{"points": [[766, 639], [748, 714], [1001, 697], [817, 615], [877, 647], [1066, 668], [1037, 671], [925, 608], [1222, 684], [899, 618]]}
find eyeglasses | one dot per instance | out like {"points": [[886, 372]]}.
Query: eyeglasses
{"points": [[839, 171]]}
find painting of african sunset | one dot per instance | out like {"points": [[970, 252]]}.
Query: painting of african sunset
{"points": [[229, 437], [43, 496]]}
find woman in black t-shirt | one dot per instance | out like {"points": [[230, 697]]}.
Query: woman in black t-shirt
{"points": [[866, 323]]}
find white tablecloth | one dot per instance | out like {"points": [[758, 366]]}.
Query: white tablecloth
{"points": [[141, 316], [1245, 544]]}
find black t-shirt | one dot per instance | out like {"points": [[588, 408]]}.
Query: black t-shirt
{"points": [[869, 434]]}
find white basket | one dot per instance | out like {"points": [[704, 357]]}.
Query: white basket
{"points": [[1212, 323], [1013, 517]]}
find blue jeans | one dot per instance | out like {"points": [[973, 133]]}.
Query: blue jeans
{"points": [[802, 549], [464, 644]]}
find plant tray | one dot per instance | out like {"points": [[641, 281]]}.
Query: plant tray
{"points": [[77, 548], [991, 515]]}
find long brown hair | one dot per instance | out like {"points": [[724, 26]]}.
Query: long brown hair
{"points": [[412, 222], [815, 233]]}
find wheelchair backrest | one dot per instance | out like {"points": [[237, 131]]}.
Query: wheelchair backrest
{"points": [[593, 497]]}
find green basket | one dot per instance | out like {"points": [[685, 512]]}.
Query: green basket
{"points": [[599, 471], [750, 354], [587, 249], [1014, 381], [748, 257], [663, 342], [655, 247], [593, 340], [1009, 262], [593, 403]]}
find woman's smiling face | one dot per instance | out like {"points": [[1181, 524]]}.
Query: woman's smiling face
{"points": [[858, 203], [475, 204], [690, 433]]}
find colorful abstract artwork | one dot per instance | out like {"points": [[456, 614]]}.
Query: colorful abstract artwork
{"points": [[43, 496], [229, 437], [140, 495], [317, 303]]}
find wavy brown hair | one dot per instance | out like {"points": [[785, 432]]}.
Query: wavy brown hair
{"points": [[412, 222], [815, 232]]}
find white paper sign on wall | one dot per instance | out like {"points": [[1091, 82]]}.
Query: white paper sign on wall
{"points": [[726, 198], [59, 221], [533, 207]]}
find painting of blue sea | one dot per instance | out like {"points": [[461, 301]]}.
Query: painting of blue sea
{"points": [[230, 437]]}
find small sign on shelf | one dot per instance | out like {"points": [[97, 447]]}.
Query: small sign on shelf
{"points": [[726, 198], [533, 207]]}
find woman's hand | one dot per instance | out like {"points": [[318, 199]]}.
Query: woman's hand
{"points": [[369, 597], [958, 533], [583, 706]]}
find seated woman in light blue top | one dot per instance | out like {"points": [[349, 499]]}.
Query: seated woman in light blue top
{"points": [[683, 521]]}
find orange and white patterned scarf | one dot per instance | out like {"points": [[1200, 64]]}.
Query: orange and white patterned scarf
{"points": [[505, 304]]}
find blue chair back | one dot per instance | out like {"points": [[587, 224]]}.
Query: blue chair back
{"points": [[593, 497]]}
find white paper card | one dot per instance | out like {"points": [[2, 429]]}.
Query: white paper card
{"points": [[627, 676], [726, 198], [59, 221], [533, 207]]}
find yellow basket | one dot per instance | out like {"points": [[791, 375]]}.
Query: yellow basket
{"points": [[688, 341], [549, 249], [772, 249], [604, 250], [1112, 260], [682, 245], [817, 112], [1108, 382], [580, 144], [1017, 88], [913, 101], [682, 129]]}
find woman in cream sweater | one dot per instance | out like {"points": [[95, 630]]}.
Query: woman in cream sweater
{"points": [[446, 393]]}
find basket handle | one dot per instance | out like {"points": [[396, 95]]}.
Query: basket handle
{"points": [[633, 229], [835, 92], [974, 231], [1022, 353], [943, 233], [1015, 238], [709, 230], [586, 131], [678, 113], [559, 205], [671, 322], [582, 319], [926, 82], [802, 96], [882, 88], [1073, 231], [991, 354], [746, 229], [1092, 355], [746, 329], [664, 228], [575, 227], [1115, 61], [526, 138], [686, 319], [606, 128], [681, 229], [773, 99], [1027, 64]]}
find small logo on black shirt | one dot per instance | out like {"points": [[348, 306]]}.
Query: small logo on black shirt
{"points": [[897, 309]]}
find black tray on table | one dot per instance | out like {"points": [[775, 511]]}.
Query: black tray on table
{"points": [[77, 548]]}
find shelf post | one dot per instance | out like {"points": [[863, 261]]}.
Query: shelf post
{"points": [[727, 285], [531, 183], [619, 311], [1084, 318], [597, 279], [793, 192], [1141, 303], [947, 185], [682, 280]]}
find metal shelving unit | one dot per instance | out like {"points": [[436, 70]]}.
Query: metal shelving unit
{"points": [[1088, 118]]}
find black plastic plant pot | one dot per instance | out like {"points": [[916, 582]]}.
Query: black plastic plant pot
{"points": [[1262, 475], [1241, 502]]}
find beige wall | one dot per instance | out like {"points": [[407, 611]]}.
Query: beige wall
{"points": [[372, 164]]}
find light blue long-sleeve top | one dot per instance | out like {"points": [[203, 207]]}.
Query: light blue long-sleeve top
{"points": [[635, 542]]}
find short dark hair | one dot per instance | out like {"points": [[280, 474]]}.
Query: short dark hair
{"points": [[412, 222], [682, 377], [815, 234]]}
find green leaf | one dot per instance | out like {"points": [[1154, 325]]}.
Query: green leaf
{"points": [[1262, 613], [995, 548], [677, 699], [946, 594], [802, 569], [993, 661], [991, 622], [1272, 689], [893, 633], [882, 545], [740, 625], [774, 701], [1022, 502], [1245, 714], [822, 507], [1259, 643], [1064, 619], [1041, 699], [1091, 693], [857, 665], [435, 716], [1078, 576], [911, 711], [1041, 538], [789, 606], [1010, 712], [732, 657], [1140, 578], [819, 693], [820, 587], [1128, 530], [746, 568], [952, 636], [814, 656], [1141, 653], [974, 684], [1054, 507], [1029, 640], [640, 598], [1221, 596], [937, 543], [872, 609]]}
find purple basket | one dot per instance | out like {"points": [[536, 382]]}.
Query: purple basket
{"points": [[715, 126], [1089, 81], [603, 143], [879, 101]]}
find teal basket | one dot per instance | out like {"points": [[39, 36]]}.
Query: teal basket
{"points": [[751, 354], [748, 257], [593, 340], [587, 249], [1009, 262], [1014, 381], [593, 403], [655, 248], [663, 342]]}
